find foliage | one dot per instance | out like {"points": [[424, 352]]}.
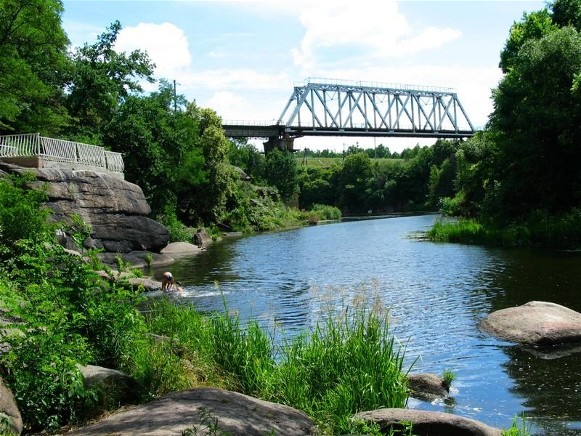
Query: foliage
{"points": [[448, 377], [159, 147], [540, 229], [347, 364], [32, 38], [536, 127], [21, 213], [251, 208], [281, 172], [324, 212], [178, 232], [245, 354], [101, 79], [518, 429], [42, 373], [246, 157], [317, 186]]}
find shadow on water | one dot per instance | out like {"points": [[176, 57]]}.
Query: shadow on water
{"points": [[436, 293]]}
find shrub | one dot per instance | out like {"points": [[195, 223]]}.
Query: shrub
{"points": [[325, 212]]}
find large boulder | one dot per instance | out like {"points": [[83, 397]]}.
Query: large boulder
{"points": [[202, 411], [535, 323], [10, 419], [425, 423], [116, 210], [113, 388]]}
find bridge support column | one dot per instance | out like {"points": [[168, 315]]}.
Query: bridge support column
{"points": [[286, 144]]}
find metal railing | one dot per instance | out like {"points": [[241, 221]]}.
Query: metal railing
{"points": [[59, 150]]}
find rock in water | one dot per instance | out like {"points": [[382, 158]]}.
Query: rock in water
{"points": [[535, 323]]}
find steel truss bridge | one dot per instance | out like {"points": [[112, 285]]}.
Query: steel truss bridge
{"points": [[320, 108]]}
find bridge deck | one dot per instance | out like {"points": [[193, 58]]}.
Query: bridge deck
{"points": [[361, 109]]}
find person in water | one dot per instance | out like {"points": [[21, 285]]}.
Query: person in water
{"points": [[168, 282]]}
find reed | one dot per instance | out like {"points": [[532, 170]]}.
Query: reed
{"points": [[348, 363], [539, 230]]}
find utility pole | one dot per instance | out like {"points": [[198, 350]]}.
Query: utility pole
{"points": [[175, 97]]}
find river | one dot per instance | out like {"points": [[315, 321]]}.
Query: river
{"points": [[436, 293]]}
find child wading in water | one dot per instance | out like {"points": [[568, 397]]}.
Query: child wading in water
{"points": [[168, 283]]}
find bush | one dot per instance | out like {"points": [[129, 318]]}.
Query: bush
{"points": [[41, 370], [325, 212], [178, 232]]}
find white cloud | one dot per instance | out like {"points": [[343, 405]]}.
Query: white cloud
{"points": [[376, 26], [165, 43]]}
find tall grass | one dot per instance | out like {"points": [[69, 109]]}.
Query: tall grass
{"points": [[347, 363], [538, 230], [326, 212]]}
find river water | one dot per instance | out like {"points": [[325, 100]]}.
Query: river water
{"points": [[436, 294]]}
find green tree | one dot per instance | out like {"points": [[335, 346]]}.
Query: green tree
{"points": [[355, 177], [101, 79], [534, 25], [536, 125], [160, 147], [208, 200], [567, 13], [31, 39], [316, 186], [281, 172], [246, 157]]}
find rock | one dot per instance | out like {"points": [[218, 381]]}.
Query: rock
{"points": [[10, 419], [115, 209], [427, 423], [535, 323], [177, 249], [197, 410], [427, 387], [114, 388], [137, 259]]}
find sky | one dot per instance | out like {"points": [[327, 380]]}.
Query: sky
{"points": [[243, 58]]}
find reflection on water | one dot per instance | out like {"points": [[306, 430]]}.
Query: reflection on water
{"points": [[436, 294]]}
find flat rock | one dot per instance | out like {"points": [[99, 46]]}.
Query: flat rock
{"points": [[197, 410], [535, 323], [427, 423], [176, 249]]}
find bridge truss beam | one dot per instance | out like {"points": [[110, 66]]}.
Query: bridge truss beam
{"points": [[362, 110]]}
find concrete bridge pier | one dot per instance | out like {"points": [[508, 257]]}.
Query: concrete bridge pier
{"points": [[285, 143]]}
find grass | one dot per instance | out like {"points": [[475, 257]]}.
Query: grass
{"points": [[519, 427], [326, 162], [538, 230], [346, 363]]}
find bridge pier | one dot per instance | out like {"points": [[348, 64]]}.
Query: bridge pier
{"points": [[285, 143]]}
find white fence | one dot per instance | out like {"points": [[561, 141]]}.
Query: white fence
{"points": [[58, 150]]}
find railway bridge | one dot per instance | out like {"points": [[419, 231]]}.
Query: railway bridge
{"points": [[321, 107]]}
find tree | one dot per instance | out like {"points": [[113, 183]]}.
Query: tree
{"points": [[316, 186], [248, 158], [33, 65], [281, 172], [536, 125], [533, 26], [209, 199], [355, 177], [160, 147], [101, 80], [567, 13]]}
